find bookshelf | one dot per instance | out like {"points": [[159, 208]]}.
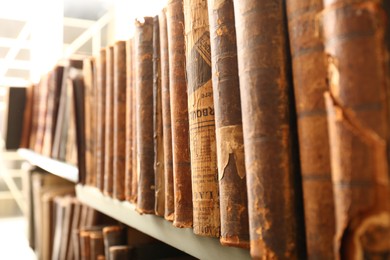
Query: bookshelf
{"points": [[154, 226]]}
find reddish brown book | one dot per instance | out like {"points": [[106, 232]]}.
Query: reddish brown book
{"points": [[144, 92], [101, 126], [134, 160], [228, 122], [205, 193], [159, 180], [169, 205], [309, 74], [109, 130], [119, 114], [357, 46], [179, 115], [266, 99]]}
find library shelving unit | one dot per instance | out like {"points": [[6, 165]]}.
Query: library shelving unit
{"points": [[181, 238]]}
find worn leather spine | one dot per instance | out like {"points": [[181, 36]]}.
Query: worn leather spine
{"points": [[119, 152], [183, 211], [144, 92], [96, 244], [134, 166], [112, 236], [122, 252], [101, 87], [265, 87], [205, 194], [309, 74], [228, 122], [129, 119], [159, 180], [357, 39], [169, 202], [109, 131]]}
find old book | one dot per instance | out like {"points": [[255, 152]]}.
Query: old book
{"points": [[109, 134], [159, 180], [76, 244], [73, 250], [90, 124], [61, 206], [70, 143], [228, 123], [96, 244], [119, 113], [183, 211], [144, 92], [85, 245], [113, 236], [205, 194], [309, 74], [134, 160], [122, 252], [67, 225], [265, 103], [169, 202], [40, 112], [27, 118], [129, 119], [100, 146], [34, 116], [357, 46]]}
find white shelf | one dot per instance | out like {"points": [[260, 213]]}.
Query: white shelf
{"points": [[159, 228], [61, 169]]}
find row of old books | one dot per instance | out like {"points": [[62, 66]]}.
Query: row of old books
{"points": [[264, 123]]}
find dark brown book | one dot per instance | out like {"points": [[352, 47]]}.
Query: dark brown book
{"points": [[27, 118], [205, 193], [228, 123], [144, 92], [134, 158], [96, 244], [159, 180], [169, 205], [265, 103], [119, 113], [100, 146], [90, 124], [179, 115], [357, 46], [129, 120], [113, 236], [122, 252], [309, 74], [109, 130]]}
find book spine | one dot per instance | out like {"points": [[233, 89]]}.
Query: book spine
{"points": [[121, 252], [41, 113], [309, 74], [113, 236], [144, 92], [129, 119], [265, 102], [228, 122], [205, 194], [27, 118], [358, 119], [159, 180], [101, 87], [96, 244], [119, 152], [109, 131], [85, 246], [179, 115], [134, 161], [169, 206]]}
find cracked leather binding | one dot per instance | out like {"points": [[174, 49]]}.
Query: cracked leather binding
{"points": [[159, 180], [119, 151], [309, 74], [357, 40], [205, 194], [169, 203], [228, 122], [179, 115], [144, 92], [100, 118], [265, 102], [109, 131]]}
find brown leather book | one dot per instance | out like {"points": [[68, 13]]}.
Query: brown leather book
{"points": [[144, 92], [179, 115], [96, 244], [109, 131], [90, 124], [76, 244], [122, 252], [34, 115], [129, 119], [357, 46], [119, 113], [113, 236], [100, 119], [134, 159], [159, 180], [27, 118], [85, 245], [309, 74], [205, 193], [228, 122], [169, 205], [40, 112], [265, 90]]}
